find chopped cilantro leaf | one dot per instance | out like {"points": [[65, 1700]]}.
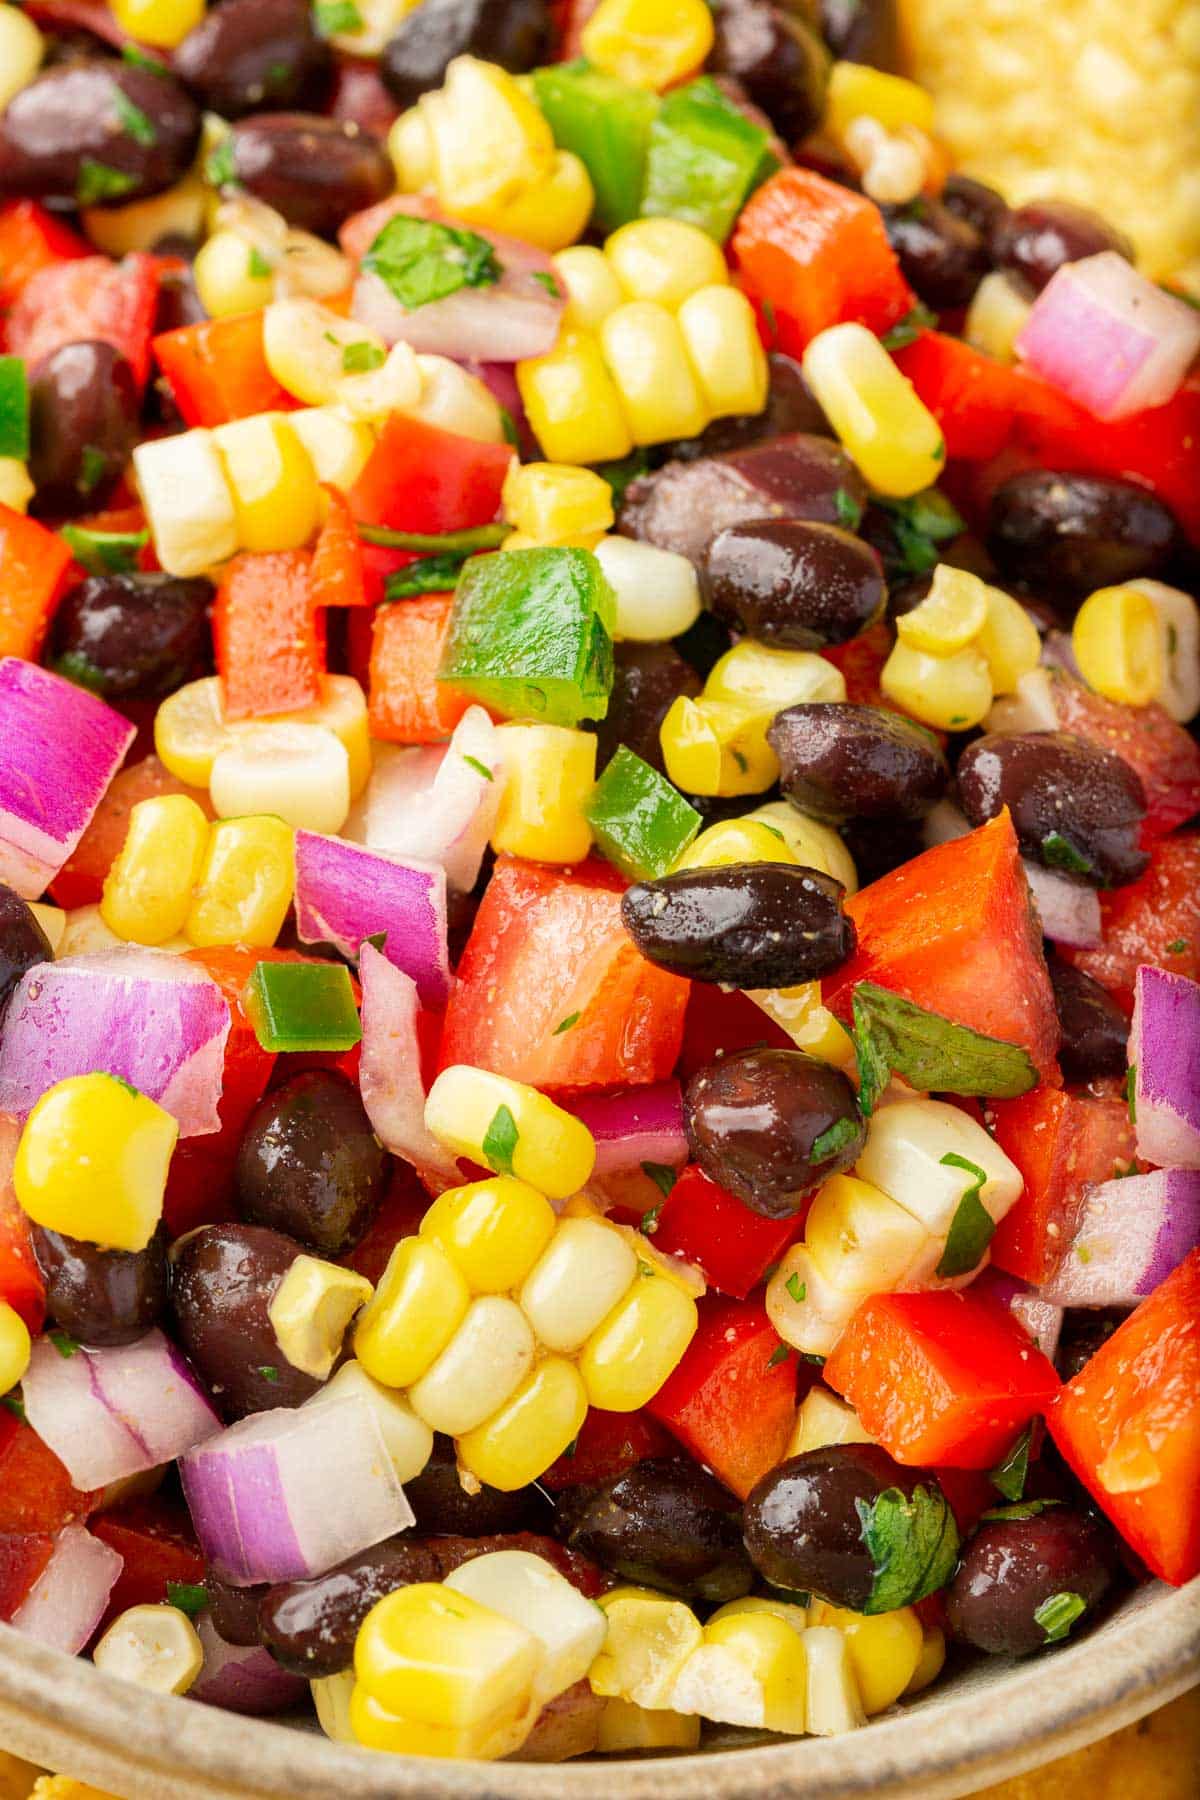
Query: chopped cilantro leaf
{"points": [[134, 122], [189, 1597], [913, 1546], [662, 1175], [972, 1227], [932, 1053], [64, 1343], [1057, 1615], [796, 1288], [260, 269], [500, 1141], [361, 358], [565, 1024], [1058, 852], [420, 261], [98, 181], [834, 1138], [332, 18], [1008, 1477], [481, 768], [779, 1355]]}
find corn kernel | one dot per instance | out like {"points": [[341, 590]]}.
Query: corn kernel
{"points": [[490, 141], [884, 1650], [658, 595], [397, 385], [331, 1696], [500, 1734], [163, 23], [721, 335], [905, 1155], [649, 1640], [806, 1309], [230, 276], [593, 290], [788, 1610], [664, 260], [572, 403], [861, 1239], [511, 1128], [754, 674], [834, 1702], [419, 1303], [410, 146], [155, 1647], [552, 502], [809, 1023], [92, 1162], [856, 90], [626, 1359], [53, 921], [16, 486], [190, 732], [882, 425], [1116, 642], [407, 1439], [483, 1364], [647, 358], [930, 1662], [1178, 619], [552, 213], [745, 840], [298, 773], [438, 1657], [276, 496], [455, 400], [141, 224], [813, 845], [1009, 641], [648, 43], [310, 1310], [549, 772], [526, 1589], [750, 1670], [306, 345], [374, 22], [996, 317], [823, 1419], [21, 48], [246, 884], [494, 1231], [951, 615], [148, 889], [189, 506], [15, 1348], [949, 692], [624, 1726], [576, 1283], [717, 747], [338, 446], [531, 1430]]}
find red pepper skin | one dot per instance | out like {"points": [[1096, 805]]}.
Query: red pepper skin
{"points": [[953, 931], [23, 1556], [156, 1539], [408, 704], [731, 1401], [861, 661], [268, 635], [717, 1022], [970, 1494], [33, 568], [972, 397], [1161, 751], [607, 1445], [217, 370], [706, 1224], [1129, 1426], [31, 239], [420, 478], [338, 575], [403, 1207], [36, 1493], [68, 302], [21, 1283], [1156, 919], [548, 943], [940, 1378], [1061, 1143]]}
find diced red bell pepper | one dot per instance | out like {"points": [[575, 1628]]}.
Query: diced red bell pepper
{"points": [[21, 1283], [33, 567], [89, 298], [940, 1377], [1156, 919], [338, 577], [1061, 1143], [861, 661], [815, 254], [953, 931], [23, 1556], [217, 370], [420, 478], [1165, 755], [1129, 1426], [972, 397], [31, 239], [403, 1207], [607, 1445], [80, 880], [268, 635], [36, 1493], [707, 1225], [156, 1539], [408, 704], [718, 1021], [548, 944], [731, 1401], [970, 1494]]}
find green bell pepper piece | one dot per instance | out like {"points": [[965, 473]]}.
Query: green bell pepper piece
{"points": [[704, 158], [302, 1006], [607, 125], [14, 408], [641, 823], [104, 552]]}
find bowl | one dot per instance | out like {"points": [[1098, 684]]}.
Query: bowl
{"points": [[986, 1722]]}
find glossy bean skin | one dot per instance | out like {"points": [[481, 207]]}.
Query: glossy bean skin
{"points": [[310, 1165], [754, 1119], [842, 761], [748, 925], [1011, 1567], [802, 1524], [234, 1610], [516, 35], [1078, 532], [793, 583], [23, 943], [1034, 241], [791, 407], [1095, 1031], [647, 680], [97, 129], [310, 1626], [313, 170], [666, 1524], [1075, 807], [777, 57], [83, 425], [134, 636], [223, 1279], [254, 55], [1083, 1333], [103, 1297], [862, 31], [974, 202], [942, 256], [443, 1505]]}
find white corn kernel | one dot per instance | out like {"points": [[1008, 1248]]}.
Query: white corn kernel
{"points": [[455, 400], [1178, 620], [489, 1355], [331, 1702], [187, 500], [576, 1282], [834, 1702], [155, 1647], [337, 445], [310, 1310], [814, 846], [309, 349], [862, 1240], [525, 1589], [231, 276], [658, 595], [408, 1439], [395, 386], [299, 772], [807, 1311]]}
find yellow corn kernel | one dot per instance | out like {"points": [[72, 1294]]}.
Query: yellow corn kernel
{"points": [[21, 48], [808, 1022], [856, 91], [310, 1310], [490, 142], [554, 502], [231, 276], [483, 1364], [246, 884], [572, 402], [648, 43], [523, 1587], [502, 1734], [141, 224], [92, 1162], [189, 507], [16, 487], [577, 1281], [190, 732], [395, 385], [881, 424], [1117, 645], [309, 349], [647, 358], [148, 889], [530, 1431], [747, 840], [823, 1419], [549, 771], [624, 1726], [726, 352], [807, 1310], [628, 1357], [949, 692], [331, 1703], [884, 1650], [863, 1242], [276, 496], [717, 747], [951, 615], [787, 1610], [53, 921], [553, 213], [297, 773], [754, 674], [494, 1231], [338, 446], [751, 1670], [438, 1657], [996, 317], [15, 1348], [453, 399], [812, 844], [163, 23], [410, 146], [649, 1640], [1009, 641], [930, 1662], [593, 290], [510, 1128], [664, 260], [419, 1304]]}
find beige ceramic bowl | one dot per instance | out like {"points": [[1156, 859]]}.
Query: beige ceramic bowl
{"points": [[989, 1722]]}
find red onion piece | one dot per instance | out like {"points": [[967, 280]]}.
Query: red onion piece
{"points": [[1132, 1233], [287, 1494], [156, 1020], [640, 1125], [111, 1413], [389, 1071], [1164, 1053], [243, 1679], [440, 805], [69, 1597], [62, 747], [1069, 912], [345, 893]]}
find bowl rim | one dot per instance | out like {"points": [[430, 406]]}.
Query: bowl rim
{"points": [[990, 1723]]}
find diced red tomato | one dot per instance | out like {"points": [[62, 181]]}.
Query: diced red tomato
{"points": [[31, 239], [33, 568], [23, 1556], [420, 478], [21, 1283], [1165, 755], [607, 1445], [1156, 919], [36, 1493], [408, 703], [707, 1225], [718, 1021], [972, 397], [940, 1377], [81, 878], [268, 634], [338, 577], [861, 662], [814, 254], [953, 931], [731, 1401], [1061, 1143], [92, 297], [217, 370], [1129, 1425], [156, 1539], [548, 944], [570, 17]]}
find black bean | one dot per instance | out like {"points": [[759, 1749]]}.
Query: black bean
{"points": [[310, 1165], [647, 680], [1074, 806], [314, 171], [83, 425], [791, 407], [516, 35], [1094, 1029], [702, 646], [96, 131], [253, 55], [973, 201], [23, 943], [234, 1610], [777, 57], [771, 1125], [941, 255], [1084, 1331], [747, 925], [793, 583], [1035, 240], [862, 31], [666, 1523], [841, 761], [134, 636], [1012, 1567], [443, 1505], [103, 1297], [1078, 532], [877, 846], [310, 1626]]}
